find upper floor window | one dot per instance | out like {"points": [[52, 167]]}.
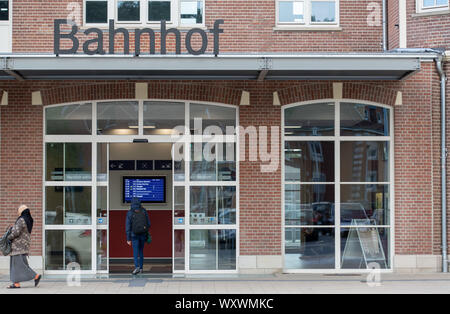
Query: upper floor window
{"points": [[175, 12], [4, 10], [307, 12], [432, 5]]}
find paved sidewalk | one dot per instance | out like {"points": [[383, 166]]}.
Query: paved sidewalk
{"points": [[239, 284]]}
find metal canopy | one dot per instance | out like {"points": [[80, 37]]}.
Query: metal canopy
{"points": [[382, 66]]}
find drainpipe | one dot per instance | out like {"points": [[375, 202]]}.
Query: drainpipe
{"points": [[384, 26], [440, 68]]}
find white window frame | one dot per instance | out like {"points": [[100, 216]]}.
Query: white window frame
{"points": [[173, 12], [110, 14], [175, 15], [9, 21], [187, 183], [337, 138], [423, 9], [307, 23]]}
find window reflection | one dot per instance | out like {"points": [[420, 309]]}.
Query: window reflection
{"points": [[63, 247], [309, 161], [364, 120], [309, 248], [310, 120], [311, 204]]}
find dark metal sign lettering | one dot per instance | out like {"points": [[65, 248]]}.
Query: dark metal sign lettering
{"points": [[98, 40]]}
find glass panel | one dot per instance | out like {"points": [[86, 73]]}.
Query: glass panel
{"points": [[323, 11], [213, 162], [179, 208], [365, 247], [310, 120], [102, 205], [102, 162], [215, 118], [160, 118], [178, 162], [117, 118], [128, 11], [179, 257], [69, 120], [203, 250], [364, 201], [433, 3], [54, 162], [102, 249], [191, 12], [65, 247], [70, 205], [75, 167], [364, 120], [311, 204], [309, 161], [291, 11], [159, 11], [97, 12], [213, 205], [4, 10], [227, 249], [309, 248], [364, 161], [78, 166]]}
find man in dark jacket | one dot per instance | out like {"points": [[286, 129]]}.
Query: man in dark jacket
{"points": [[137, 225]]}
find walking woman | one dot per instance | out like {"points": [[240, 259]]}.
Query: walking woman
{"points": [[20, 238]]}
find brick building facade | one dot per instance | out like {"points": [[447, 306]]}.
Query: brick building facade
{"points": [[413, 241]]}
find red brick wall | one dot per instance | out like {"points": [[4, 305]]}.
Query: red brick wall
{"points": [[426, 31], [248, 28], [417, 196]]}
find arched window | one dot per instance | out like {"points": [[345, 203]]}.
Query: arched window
{"points": [[337, 185]]}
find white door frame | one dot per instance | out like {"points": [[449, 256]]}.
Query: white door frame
{"points": [[94, 139]]}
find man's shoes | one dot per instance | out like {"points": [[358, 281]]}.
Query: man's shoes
{"points": [[136, 271]]}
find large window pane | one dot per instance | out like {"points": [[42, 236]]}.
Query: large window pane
{"points": [[227, 249], [128, 11], [160, 118], [179, 250], [70, 205], [117, 118], [365, 247], [309, 248], [213, 162], [364, 201], [65, 247], [4, 10], [102, 162], [69, 120], [159, 11], [309, 161], [68, 161], [291, 11], [364, 120], [203, 250], [102, 249], [215, 118], [364, 161], [179, 205], [323, 11], [310, 120], [191, 12], [311, 204], [213, 205], [97, 12]]}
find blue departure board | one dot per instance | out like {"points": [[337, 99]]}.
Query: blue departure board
{"points": [[147, 189]]}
